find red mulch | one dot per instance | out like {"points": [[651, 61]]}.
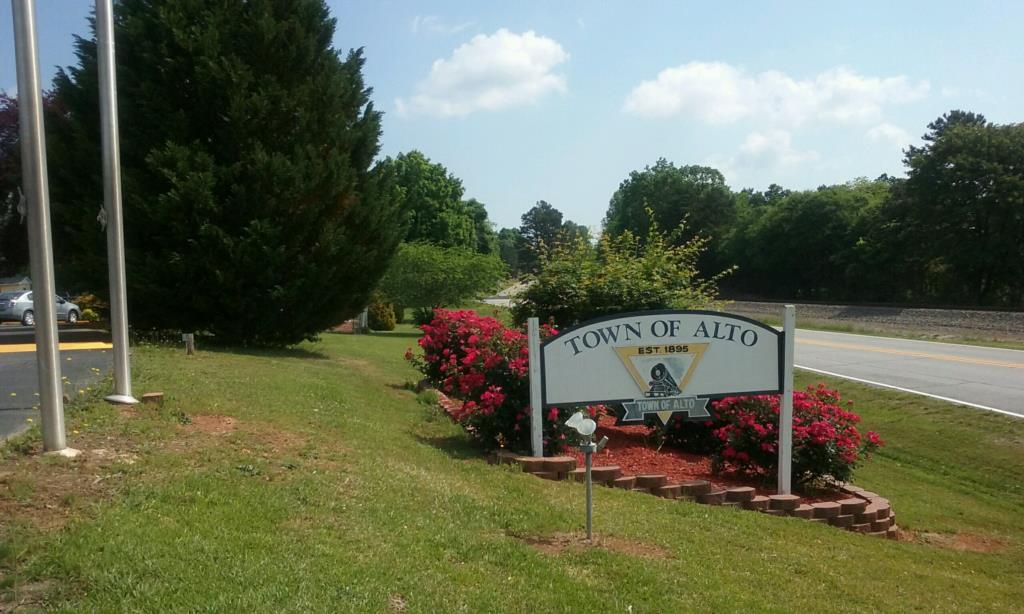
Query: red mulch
{"points": [[628, 448]]}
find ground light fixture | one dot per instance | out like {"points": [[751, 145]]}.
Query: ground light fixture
{"points": [[586, 427]]}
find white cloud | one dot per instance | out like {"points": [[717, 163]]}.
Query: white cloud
{"points": [[886, 132], [432, 24], [772, 148], [717, 93], [760, 150], [489, 73]]}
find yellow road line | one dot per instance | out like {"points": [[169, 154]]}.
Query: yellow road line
{"points": [[31, 347], [946, 357]]}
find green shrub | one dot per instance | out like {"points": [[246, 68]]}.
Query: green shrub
{"points": [[422, 315], [89, 315], [423, 275], [381, 315], [577, 282]]}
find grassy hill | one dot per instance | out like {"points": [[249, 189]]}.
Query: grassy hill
{"points": [[314, 479]]}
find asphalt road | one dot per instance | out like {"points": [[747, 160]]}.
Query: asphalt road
{"points": [[981, 377], [84, 360]]}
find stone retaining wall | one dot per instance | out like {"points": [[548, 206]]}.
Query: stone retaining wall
{"points": [[862, 511]]}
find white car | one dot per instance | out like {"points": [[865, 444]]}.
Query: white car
{"points": [[17, 306]]}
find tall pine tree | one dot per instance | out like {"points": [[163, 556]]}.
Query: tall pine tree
{"points": [[252, 208]]}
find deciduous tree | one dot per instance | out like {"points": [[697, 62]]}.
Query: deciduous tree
{"points": [[697, 195], [423, 275], [958, 220]]}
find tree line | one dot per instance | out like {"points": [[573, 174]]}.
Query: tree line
{"points": [[951, 232]]}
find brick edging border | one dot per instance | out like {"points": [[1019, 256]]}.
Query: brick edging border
{"points": [[862, 512]]}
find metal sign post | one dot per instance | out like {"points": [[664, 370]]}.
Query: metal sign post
{"points": [[112, 202], [37, 193], [786, 409], [536, 415], [589, 447], [586, 427]]}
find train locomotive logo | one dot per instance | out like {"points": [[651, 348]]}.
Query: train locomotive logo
{"points": [[661, 373]]}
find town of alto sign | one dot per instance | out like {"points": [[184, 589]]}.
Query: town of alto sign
{"points": [[661, 363]]}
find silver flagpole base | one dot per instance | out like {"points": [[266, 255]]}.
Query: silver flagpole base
{"points": [[64, 452], [121, 399]]}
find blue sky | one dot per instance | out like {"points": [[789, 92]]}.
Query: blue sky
{"points": [[561, 100]]}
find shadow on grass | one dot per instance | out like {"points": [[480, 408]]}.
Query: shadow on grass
{"points": [[266, 352], [396, 333], [455, 446]]}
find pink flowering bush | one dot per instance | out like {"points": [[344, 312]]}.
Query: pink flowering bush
{"points": [[486, 364], [744, 435]]}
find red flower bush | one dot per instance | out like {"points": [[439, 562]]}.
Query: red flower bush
{"points": [[744, 435], [486, 365]]}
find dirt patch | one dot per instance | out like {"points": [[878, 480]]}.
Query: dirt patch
{"points": [[277, 440], [965, 542], [211, 424], [575, 543], [47, 492], [396, 603], [27, 597]]}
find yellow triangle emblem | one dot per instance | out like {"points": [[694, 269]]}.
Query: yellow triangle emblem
{"points": [[662, 370]]}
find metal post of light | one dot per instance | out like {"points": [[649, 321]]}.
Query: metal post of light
{"points": [[112, 202], [37, 193], [586, 427]]}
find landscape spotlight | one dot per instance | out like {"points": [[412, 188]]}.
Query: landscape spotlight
{"points": [[586, 428], [583, 426]]}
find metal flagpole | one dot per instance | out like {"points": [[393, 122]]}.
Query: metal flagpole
{"points": [[37, 193], [786, 409], [112, 202]]}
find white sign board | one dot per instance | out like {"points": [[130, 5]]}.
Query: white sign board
{"points": [[661, 362]]}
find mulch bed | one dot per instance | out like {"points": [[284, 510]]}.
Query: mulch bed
{"points": [[629, 448]]}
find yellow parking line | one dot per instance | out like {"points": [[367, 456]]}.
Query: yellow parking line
{"points": [[946, 357], [31, 347]]}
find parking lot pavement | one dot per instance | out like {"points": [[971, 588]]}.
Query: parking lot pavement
{"points": [[14, 421], [82, 363]]}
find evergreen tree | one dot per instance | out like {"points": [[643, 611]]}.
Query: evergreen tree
{"points": [[486, 237], [251, 206], [509, 242], [13, 230]]}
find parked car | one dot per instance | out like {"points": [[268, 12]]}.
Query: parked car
{"points": [[17, 307]]}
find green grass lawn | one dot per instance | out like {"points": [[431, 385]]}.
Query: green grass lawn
{"points": [[334, 487]]}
